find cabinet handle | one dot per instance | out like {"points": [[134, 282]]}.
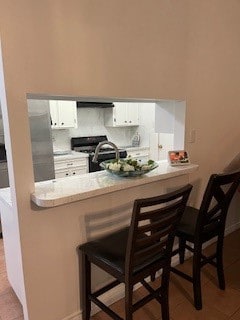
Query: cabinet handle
{"points": [[66, 174], [55, 123], [125, 121], [70, 164], [130, 121], [74, 173], [62, 123]]}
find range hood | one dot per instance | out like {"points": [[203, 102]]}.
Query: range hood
{"points": [[87, 104]]}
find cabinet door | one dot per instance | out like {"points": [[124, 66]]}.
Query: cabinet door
{"points": [[120, 114], [54, 114], [62, 174], [78, 171], [132, 112], [67, 113]]}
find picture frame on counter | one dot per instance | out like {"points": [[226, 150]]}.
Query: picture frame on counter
{"points": [[178, 157]]}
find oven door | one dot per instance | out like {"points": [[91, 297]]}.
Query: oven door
{"points": [[94, 166]]}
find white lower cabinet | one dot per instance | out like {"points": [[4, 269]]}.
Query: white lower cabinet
{"points": [[139, 154], [67, 173], [70, 167]]}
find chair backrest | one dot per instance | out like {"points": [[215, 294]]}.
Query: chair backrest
{"points": [[153, 226], [216, 200]]}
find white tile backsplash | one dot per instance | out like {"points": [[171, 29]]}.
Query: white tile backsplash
{"points": [[91, 123]]}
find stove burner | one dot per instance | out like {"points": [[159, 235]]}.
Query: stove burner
{"points": [[91, 149], [85, 149]]}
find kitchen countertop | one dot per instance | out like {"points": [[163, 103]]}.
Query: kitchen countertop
{"points": [[131, 148], [66, 190], [70, 155]]}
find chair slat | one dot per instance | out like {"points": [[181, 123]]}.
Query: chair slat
{"points": [[142, 242], [159, 211], [158, 224], [149, 251], [219, 195]]}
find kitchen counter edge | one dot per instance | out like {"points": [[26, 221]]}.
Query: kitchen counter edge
{"points": [[66, 190]]}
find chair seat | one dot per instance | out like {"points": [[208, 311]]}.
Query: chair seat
{"points": [[111, 250], [187, 226]]}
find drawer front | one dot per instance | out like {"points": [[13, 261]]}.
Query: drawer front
{"points": [[78, 171], [71, 172], [137, 154], [68, 164]]}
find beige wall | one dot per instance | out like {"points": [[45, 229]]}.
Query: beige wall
{"points": [[130, 48], [213, 77], [117, 48]]}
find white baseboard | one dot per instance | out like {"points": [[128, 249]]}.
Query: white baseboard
{"points": [[117, 293]]}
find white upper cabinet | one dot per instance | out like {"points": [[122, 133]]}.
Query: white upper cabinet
{"points": [[63, 114], [132, 111], [123, 114]]}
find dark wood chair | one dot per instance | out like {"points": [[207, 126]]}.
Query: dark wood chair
{"points": [[132, 254], [199, 226]]}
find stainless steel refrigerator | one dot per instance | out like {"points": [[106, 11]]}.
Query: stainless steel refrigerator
{"points": [[41, 139]]}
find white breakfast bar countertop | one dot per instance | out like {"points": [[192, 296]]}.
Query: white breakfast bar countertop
{"points": [[61, 191]]}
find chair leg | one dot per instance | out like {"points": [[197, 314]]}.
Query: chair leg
{"points": [[220, 271], [164, 295], [128, 301], [165, 307], [197, 277], [182, 244], [86, 287]]}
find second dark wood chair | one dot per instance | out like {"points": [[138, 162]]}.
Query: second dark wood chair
{"points": [[132, 254], [198, 226]]}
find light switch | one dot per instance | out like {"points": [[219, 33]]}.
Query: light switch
{"points": [[192, 136]]}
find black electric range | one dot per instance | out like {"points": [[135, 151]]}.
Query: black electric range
{"points": [[89, 144]]}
